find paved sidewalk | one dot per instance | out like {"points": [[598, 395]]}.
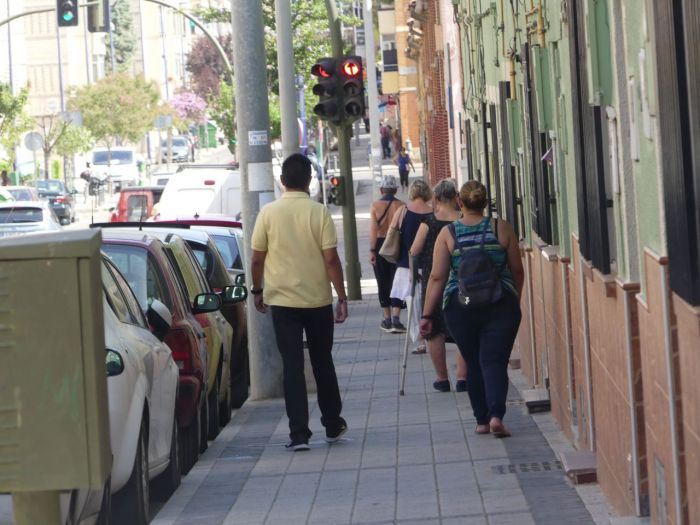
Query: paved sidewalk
{"points": [[411, 459]]}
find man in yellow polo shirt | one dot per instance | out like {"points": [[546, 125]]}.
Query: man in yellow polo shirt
{"points": [[294, 252]]}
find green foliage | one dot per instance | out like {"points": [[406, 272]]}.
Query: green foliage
{"points": [[14, 120], [212, 15], [136, 100], [75, 140], [124, 37], [222, 110], [63, 138]]}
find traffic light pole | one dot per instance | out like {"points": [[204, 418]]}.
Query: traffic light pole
{"points": [[343, 131]]}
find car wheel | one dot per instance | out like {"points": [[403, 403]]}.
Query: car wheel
{"points": [[103, 518], [204, 427], [131, 503], [213, 402], [240, 381], [169, 480]]}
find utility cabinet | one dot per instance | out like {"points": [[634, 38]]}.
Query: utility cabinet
{"points": [[54, 421]]}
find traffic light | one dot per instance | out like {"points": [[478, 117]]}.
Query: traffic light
{"points": [[352, 87], [98, 17], [338, 190], [67, 11], [329, 103]]}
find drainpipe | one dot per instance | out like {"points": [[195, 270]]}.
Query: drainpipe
{"points": [[633, 412], [587, 353], [563, 263], [671, 381], [531, 317]]}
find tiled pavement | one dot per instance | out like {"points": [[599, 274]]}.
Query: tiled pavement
{"points": [[411, 459]]}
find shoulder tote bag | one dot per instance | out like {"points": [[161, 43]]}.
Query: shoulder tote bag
{"points": [[391, 249]]}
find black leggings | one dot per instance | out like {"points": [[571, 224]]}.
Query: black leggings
{"points": [[485, 338], [384, 273], [403, 176]]}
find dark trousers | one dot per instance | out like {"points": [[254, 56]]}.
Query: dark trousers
{"points": [[290, 325], [403, 177], [384, 273], [485, 338], [386, 149]]}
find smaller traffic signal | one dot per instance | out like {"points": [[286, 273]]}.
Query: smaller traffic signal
{"points": [[328, 107], [353, 88], [67, 12], [338, 190], [98, 17]]}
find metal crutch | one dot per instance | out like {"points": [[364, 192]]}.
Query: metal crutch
{"points": [[409, 307]]}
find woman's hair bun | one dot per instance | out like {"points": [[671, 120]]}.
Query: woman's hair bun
{"points": [[473, 195]]}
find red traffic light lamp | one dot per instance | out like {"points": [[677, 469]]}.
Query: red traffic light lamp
{"points": [[353, 88], [338, 189]]}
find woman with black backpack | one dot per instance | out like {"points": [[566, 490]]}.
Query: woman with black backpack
{"points": [[478, 274]]}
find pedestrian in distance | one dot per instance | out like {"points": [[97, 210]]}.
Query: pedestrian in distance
{"points": [[385, 134], [478, 274], [4, 178], [295, 256], [403, 161], [445, 211], [407, 220], [381, 213]]}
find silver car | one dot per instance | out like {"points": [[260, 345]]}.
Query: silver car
{"points": [[20, 217]]}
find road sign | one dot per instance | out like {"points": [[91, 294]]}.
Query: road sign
{"points": [[164, 121], [53, 106], [33, 141], [73, 117]]}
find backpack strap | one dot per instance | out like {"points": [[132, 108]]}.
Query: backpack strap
{"points": [[453, 232]]}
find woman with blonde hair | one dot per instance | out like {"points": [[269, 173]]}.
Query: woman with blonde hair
{"points": [[407, 220], [484, 330], [445, 211]]}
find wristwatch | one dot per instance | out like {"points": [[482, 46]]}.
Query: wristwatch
{"points": [[255, 291], [342, 301]]}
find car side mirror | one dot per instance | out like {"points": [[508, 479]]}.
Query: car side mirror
{"points": [[234, 294], [73, 191], [114, 363], [205, 303], [239, 280], [159, 318]]}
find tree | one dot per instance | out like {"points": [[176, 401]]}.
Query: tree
{"points": [[206, 65], [14, 120], [222, 110], [189, 107], [62, 137], [124, 37], [117, 108]]}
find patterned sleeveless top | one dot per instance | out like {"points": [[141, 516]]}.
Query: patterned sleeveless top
{"points": [[470, 238]]}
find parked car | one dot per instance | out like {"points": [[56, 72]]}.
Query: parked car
{"points": [[60, 197], [23, 193], [219, 331], [212, 264], [17, 218], [136, 203], [182, 150], [201, 190], [120, 165], [142, 388], [146, 267]]}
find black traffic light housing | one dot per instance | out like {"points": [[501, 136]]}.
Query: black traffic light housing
{"points": [[338, 189], [352, 87], [67, 13], [98, 17], [329, 102]]}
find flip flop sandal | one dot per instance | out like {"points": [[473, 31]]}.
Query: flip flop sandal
{"points": [[477, 431], [420, 350]]}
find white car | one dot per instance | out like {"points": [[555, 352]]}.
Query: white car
{"points": [[202, 190], [142, 385], [119, 164], [20, 217]]}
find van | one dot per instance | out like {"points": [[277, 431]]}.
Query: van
{"points": [[120, 164], [197, 190]]}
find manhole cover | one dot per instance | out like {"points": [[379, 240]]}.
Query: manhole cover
{"points": [[518, 468]]}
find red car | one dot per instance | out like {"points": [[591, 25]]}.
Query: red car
{"points": [[136, 203], [143, 261]]}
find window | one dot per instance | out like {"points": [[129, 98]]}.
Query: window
{"points": [[136, 208], [115, 299], [131, 302], [228, 247], [679, 122], [131, 261], [155, 285]]}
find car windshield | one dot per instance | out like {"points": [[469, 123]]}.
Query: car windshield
{"points": [[229, 251], [177, 141], [15, 215], [51, 185], [118, 157], [22, 194], [131, 261]]}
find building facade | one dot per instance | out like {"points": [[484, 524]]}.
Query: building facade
{"points": [[581, 120]]}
